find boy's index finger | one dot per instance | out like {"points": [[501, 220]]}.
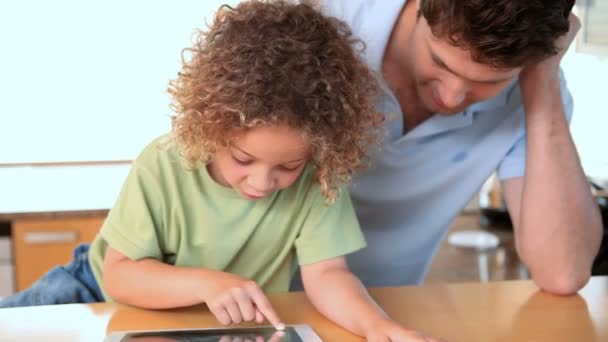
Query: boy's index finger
{"points": [[263, 304]]}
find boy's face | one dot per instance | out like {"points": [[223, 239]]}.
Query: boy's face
{"points": [[261, 161], [447, 79]]}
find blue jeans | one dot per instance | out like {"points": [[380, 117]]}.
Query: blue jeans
{"points": [[71, 283]]}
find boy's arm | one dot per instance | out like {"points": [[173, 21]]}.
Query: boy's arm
{"points": [[340, 296], [152, 284]]}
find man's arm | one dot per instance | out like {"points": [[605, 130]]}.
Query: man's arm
{"points": [[556, 220]]}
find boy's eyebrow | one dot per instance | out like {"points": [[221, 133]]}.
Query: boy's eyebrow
{"points": [[295, 160], [442, 64], [252, 156], [248, 154]]}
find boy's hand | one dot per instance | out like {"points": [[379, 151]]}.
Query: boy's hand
{"points": [[234, 299], [388, 331]]}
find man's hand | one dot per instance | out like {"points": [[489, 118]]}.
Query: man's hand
{"points": [[234, 299], [540, 74]]}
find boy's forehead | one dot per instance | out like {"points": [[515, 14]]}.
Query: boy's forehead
{"points": [[273, 143]]}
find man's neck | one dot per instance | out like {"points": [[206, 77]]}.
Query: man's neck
{"points": [[397, 70]]}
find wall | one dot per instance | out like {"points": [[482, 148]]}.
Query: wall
{"points": [[86, 80]]}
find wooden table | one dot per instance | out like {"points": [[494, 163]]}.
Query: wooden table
{"points": [[496, 311]]}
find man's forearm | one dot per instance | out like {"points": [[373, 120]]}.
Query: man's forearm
{"points": [[559, 229]]}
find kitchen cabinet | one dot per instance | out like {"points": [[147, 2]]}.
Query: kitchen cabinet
{"points": [[42, 243], [47, 210]]}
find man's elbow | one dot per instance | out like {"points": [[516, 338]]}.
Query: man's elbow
{"points": [[561, 283]]}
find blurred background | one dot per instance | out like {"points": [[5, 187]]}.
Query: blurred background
{"points": [[83, 90]]}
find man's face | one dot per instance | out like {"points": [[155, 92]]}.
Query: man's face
{"points": [[447, 79]]}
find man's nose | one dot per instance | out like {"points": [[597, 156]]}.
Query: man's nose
{"points": [[453, 92]]}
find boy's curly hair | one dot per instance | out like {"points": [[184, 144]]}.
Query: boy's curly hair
{"points": [[500, 33], [277, 62]]}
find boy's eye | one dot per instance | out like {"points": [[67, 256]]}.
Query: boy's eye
{"points": [[241, 161], [290, 168]]}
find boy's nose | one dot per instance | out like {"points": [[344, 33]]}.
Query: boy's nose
{"points": [[261, 183]]}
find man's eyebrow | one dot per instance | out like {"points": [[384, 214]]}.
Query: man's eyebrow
{"points": [[442, 64]]}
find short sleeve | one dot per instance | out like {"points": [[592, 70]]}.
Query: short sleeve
{"points": [[133, 223], [328, 231], [514, 163]]}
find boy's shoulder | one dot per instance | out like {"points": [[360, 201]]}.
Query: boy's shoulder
{"points": [[160, 150], [161, 158]]}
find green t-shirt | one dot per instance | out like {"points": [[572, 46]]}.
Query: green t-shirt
{"points": [[182, 217]]}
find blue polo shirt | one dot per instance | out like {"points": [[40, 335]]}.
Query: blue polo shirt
{"points": [[420, 181]]}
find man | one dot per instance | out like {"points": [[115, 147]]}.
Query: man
{"points": [[470, 87]]}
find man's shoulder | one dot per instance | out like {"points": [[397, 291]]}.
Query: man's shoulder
{"points": [[371, 21], [356, 12]]}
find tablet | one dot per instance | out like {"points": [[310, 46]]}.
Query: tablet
{"points": [[292, 333]]}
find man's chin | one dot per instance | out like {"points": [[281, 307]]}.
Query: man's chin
{"points": [[440, 110], [445, 112], [434, 107]]}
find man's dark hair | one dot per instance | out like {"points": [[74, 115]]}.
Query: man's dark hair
{"points": [[501, 33]]}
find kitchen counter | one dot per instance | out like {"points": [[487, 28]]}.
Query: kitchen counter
{"points": [[499, 311]]}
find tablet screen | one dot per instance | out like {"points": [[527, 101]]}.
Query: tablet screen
{"points": [[256, 334]]}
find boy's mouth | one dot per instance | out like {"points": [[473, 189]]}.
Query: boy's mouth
{"points": [[252, 196]]}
